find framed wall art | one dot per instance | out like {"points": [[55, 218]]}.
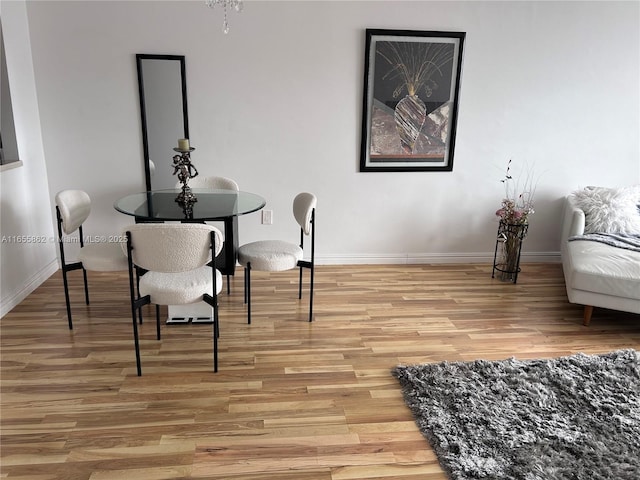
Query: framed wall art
{"points": [[410, 107]]}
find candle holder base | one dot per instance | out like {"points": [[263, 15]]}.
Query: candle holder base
{"points": [[187, 209], [186, 195]]}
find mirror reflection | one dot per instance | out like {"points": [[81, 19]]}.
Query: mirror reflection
{"points": [[8, 141], [163, 110]]}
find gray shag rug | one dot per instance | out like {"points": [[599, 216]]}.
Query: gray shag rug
{"points": [[575, 417]]}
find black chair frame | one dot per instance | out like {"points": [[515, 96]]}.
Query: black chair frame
{"points": [[310, 264], [70, 267], [138, 302]]}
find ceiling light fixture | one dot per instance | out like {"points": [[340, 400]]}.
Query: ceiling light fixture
{"points": [[237, 5]]}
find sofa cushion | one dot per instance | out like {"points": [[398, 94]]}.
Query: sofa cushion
{"points": [[610, 210], [601, 268]]}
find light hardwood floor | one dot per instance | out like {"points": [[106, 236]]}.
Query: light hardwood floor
{"points": [[292, 400]]}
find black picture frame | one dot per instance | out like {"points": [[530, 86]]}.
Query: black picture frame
{"points": [[410, 101]]}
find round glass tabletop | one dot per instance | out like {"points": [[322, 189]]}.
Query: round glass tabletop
{"points": [[209, 205]]}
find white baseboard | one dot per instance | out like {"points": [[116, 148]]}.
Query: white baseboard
{"points": [[426, 258], [7, 304]]}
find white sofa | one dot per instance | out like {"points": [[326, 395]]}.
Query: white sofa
{"points": [[597, 274]]}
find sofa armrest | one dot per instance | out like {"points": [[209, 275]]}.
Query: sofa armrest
{"points": [[577, 223], [573, 223]]}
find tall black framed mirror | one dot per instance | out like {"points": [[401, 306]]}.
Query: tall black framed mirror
{"points": [[162, 88], [8, 139]]}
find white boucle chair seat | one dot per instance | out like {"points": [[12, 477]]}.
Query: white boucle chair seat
{"points": [[103, 257], [179, 288], [270, 255]]}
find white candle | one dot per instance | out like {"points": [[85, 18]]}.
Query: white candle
{"points": [[183, 144]]}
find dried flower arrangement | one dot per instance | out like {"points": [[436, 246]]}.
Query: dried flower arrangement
{"points": [[517, 204]]}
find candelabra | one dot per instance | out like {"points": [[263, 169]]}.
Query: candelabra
{"points": [[185, 170]]}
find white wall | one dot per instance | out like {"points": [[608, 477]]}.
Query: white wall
{"points": [[27, 251], [276, 104]]}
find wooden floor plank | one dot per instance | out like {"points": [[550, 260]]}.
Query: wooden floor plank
{"points": [[292, 400]]}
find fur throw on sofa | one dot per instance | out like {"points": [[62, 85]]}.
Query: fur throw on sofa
{"points": [[610, 210]]}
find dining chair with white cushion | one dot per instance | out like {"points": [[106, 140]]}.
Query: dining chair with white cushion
{"points": [[218, 183], [72, 209], [279, 255], [176, 258]]}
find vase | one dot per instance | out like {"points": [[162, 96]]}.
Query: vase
{"points": [[506, 260], [410, 114]]}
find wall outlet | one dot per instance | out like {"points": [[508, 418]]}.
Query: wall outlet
{"points": [[267, 217]]}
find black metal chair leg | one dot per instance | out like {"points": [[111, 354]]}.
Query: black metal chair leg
{"points": [[158, 321], [300, 285], [134, 307], [138, 288], [66, 297], [86, 287], [245, 285], [228, 284], [216, 334], [215, 319], [247, 291], [311, 295], [136, 342]]}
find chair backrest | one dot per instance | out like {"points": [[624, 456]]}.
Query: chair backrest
{"points": [[219, 183], [172, 247], [303, 206], [74, 207]]}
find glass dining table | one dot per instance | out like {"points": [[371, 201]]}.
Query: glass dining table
{"points": [[211, 205]]}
